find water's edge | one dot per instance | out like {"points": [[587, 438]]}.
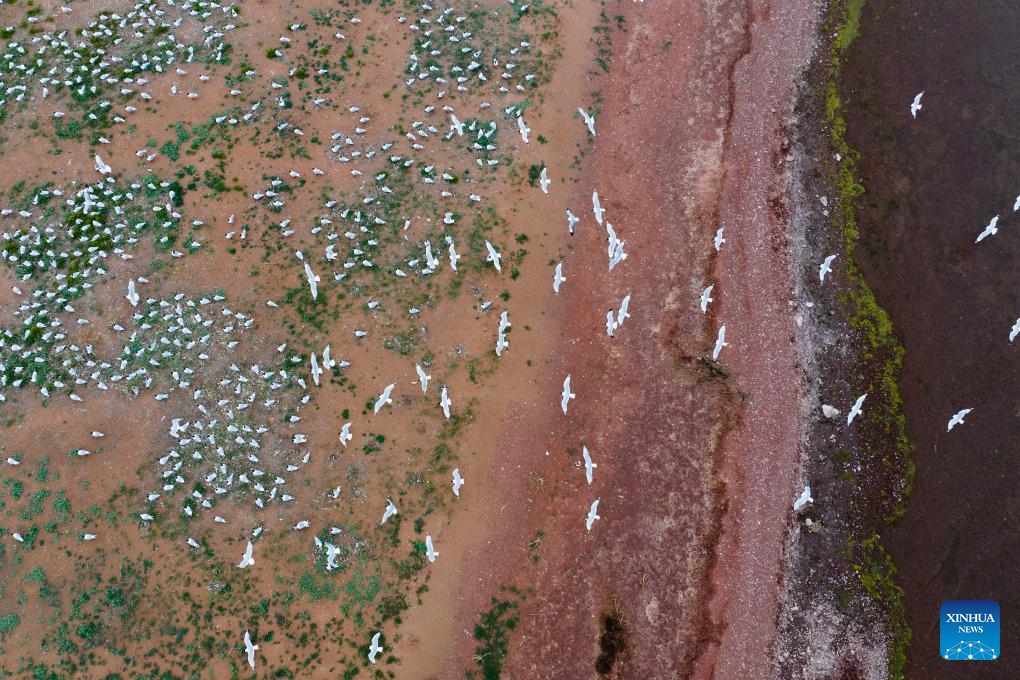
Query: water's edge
{"points": [[843, 613]]}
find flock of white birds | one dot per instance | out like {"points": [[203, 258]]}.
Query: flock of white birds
{"points": [[227, 438]]}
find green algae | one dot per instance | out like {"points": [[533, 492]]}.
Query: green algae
{"points": [[882, 355]]}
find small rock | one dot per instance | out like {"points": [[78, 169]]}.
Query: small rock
{"points": [[829, 411]]}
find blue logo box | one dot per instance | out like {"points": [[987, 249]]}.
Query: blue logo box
{"points": [[969, 630]]}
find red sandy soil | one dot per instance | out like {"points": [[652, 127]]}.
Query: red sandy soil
{"points": [[697, 468], [697, 461]]}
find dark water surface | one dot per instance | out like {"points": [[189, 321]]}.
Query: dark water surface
{"points": [[933, 184]]}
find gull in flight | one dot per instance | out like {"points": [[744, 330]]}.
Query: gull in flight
{"points": [[444, 402], [247, 560], [249, 648], [589, 120], [430, 551], [543, 180], [990, 230], [588, 465], [374, 648], [1014, 331], [720, 342], [719, 240], [102, 167], [804, 499], [493, 256], [592, 514], [523, 129], [623, 313], [610, 323], [558, 277], [825, 268], [706, 297], [456, 125], [458, 482], [132, 294], [390, 511], [957, 418], [423, 377], [572, 219], [384, 398], [855, 410], [345, 434], [1016, 204], [915, 105], [313, 279], [596, 207], [567, 394]]}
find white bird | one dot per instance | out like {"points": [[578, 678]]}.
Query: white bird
{"points": [[88, 537], [915, 105], [456, 126], [249, 649], [825, 268], [719, 240], [132, 294], [345, 434], [458, 482], [384, 398], [804, 499], [423, 378], [430, 551], [623, 313], [493, 256], [589, 120], [957, 419], [444, 402], [453, 254], [558, 277], [589, 466], [543, 180], [610, 323], [572, 219], [390, 511], [1016, 204], [990, 230], [316, 371], [567, 394], [303, 524], [102, 167], [374, 648], [596, 207], [592, 514], [13, 461], [1014, 331], [313, 279], [720, 342], [523, 129], [856, 410], [247, 559], [706, 297]]}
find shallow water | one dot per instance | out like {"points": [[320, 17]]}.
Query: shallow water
{"points": [[932, 185]]}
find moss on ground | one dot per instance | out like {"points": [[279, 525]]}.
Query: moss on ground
{"points": [[882, 355]]}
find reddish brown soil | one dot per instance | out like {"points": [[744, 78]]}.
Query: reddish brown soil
{"points": [[655, 415], [689, 134]]}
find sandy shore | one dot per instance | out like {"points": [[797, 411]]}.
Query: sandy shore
{"points": [[697, 460]]}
